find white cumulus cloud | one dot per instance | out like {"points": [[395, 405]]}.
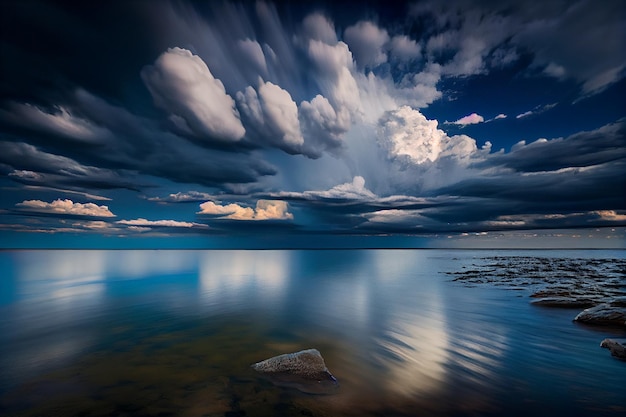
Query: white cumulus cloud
{"points": [[274, 114], [182, 84], [406, 132], [66, 207], [334, 74], [264, 210], [281, 112]]}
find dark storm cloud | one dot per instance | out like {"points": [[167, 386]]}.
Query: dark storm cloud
{"points": [[584, 171], [119, 140], [30, 165], [232, 97], [583, 149], [51, 48], [578, 186], [580, 40]]}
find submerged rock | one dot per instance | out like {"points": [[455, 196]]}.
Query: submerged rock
{"points": [[613, 313], [617, 347], [304, 370]]}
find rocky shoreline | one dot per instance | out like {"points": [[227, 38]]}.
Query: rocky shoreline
{"points": [[597, 286]]}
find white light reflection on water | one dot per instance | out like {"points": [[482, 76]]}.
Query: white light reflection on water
{"points": [[415, 340], [393, 328], [227, 278]]}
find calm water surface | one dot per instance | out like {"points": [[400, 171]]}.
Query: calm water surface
{"points": [[159, 333]]}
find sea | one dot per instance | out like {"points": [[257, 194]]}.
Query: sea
{"points": [[175, 332]]}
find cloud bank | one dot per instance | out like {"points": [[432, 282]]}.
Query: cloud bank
{"points": [[65, 207], [297, 116], [264, 210]]}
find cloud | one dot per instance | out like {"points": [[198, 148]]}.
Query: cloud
{"points": [[407, 133], [366, 41], [24, 174], [604, 145], [537, 110], [375, 162], [354, 190], [600, 81], [611, 215], [404, 48], [394, 218], [321, 125], [333, 73], [595, 60], [578, 174], [464, 37], [554, 70], [264, 210], [143, 223], [183, 197], [351, 190], [281, 113], [274, 115], [318, 27], [93, 225], [60, 121], [65, 207], [253, 52], [471, 119], [30, 165], [182, 84], [85, 195], [136, 146], [472, 38]]}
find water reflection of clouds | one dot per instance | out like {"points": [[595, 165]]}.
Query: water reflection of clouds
{"points": [[58, 292], [479, 355], [388, 310], [418, 348], [415, 354], [226, 277], [133, 264], [58, 286]]}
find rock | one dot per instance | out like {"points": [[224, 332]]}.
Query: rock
{"points": [[304, 370], [613, 313], [564, 302], [617, 347]]}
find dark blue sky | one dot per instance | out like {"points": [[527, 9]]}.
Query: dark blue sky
{"points": [[291, 124]]}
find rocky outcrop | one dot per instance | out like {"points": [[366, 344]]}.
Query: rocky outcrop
{"points": [[304, 370], [612, 313], [617, 347]]}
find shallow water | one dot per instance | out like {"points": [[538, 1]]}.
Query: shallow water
{"points": [[158, 333]]}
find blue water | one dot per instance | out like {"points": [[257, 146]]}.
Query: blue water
{"points": [[110, 333]]}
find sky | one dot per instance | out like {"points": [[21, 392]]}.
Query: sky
{"points": [[313, 124]]}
